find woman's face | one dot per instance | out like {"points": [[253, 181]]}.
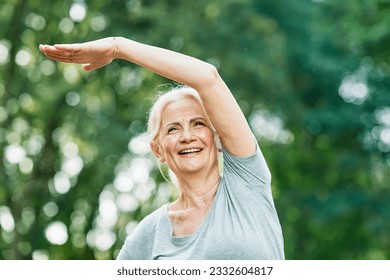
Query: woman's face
{"points": [[185, 140]]}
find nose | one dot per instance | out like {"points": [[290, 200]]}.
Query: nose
{"points": [[187, 136]]}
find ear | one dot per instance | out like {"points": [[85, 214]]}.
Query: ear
{"points": [[157, 151]]}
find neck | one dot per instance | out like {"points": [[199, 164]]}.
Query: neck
{"points": [[198, 192]]}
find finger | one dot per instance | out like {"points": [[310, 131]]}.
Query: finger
{"points": [[51, 50], [60, 52], [53, 56], [46, 48], [59, 57], [64, 59], [67, 56], [68, 47], [93, 66], [87, 67]]}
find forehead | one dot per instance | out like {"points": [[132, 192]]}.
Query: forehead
{"points": [[181, 109]]}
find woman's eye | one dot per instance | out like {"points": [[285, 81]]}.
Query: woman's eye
{"points": [[172, 129], [199, 123]]}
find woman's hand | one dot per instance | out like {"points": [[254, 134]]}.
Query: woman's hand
{"points": [[93, 54]]}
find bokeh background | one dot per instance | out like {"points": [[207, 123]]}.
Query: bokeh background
{"points": [[312, 77]]}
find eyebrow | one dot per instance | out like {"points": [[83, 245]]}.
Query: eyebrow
{"points": [[191, 121]]}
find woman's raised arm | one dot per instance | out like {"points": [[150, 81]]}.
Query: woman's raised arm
{"points": [[218, 101]]}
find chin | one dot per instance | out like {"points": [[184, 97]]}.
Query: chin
{"points": [[188, 169], [194, 168]]}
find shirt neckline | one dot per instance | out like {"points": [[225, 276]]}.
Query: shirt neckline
{"points": [[182, 240]]}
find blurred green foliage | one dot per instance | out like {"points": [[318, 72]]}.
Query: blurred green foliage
{"points": [[312, 77]]}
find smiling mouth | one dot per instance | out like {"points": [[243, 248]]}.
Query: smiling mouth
{"points": [[189, 151]]}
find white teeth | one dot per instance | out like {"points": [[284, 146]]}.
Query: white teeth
{"points": [[190, 151]]}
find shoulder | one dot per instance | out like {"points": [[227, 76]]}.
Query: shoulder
{"points": [[138, 244], [147, 226], [252, 168], [153, 218]]}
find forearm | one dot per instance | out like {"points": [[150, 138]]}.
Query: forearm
{"points": [[172, 65]]}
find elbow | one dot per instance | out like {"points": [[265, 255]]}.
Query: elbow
{"points": [[212, 75], [209, 78]]}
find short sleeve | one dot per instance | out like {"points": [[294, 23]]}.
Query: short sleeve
{"points": [[251, 169]]}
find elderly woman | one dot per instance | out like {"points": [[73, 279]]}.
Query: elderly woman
{"points": [[228, 215]]}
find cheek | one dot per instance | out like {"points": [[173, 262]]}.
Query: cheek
{"points": [[169, 144], [207, 136]]}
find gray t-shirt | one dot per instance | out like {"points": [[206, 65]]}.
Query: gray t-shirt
{"points": [[242, 223]]}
